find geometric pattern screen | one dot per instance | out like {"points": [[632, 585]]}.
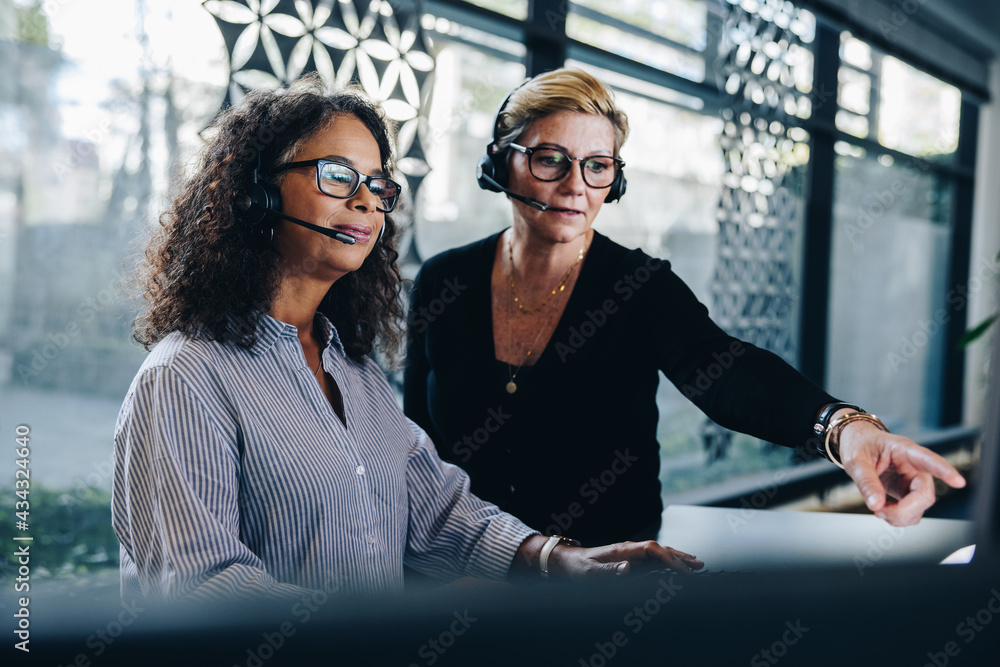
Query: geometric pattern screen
{"points": [[764, 67], [377, 44]]}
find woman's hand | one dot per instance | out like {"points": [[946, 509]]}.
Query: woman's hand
{"points": [[613, 559], [884, 464], [620, 558]]}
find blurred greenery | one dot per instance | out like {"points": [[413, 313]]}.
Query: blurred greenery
{"points": [[978, 331], [71, 529], [32, 25]]}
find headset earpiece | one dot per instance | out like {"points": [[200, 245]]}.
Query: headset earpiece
{"points": [[263, 196], [617, 188], [487, 169], [493, 163]]}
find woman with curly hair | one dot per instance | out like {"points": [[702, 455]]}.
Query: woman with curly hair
{"points": [[260, 450]]}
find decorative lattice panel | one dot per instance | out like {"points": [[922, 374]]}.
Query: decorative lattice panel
{"points": [[377, 44], [765, 69]]}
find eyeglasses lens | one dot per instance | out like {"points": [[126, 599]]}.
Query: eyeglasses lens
{"points": [[339, 180], [548, 164]]}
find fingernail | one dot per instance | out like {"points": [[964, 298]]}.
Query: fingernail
{"points": [[872, 500], [621, 568]]}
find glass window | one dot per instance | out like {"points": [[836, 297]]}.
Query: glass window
{"points": [[681, 21], [517, 9], [469, 85], [918, 114], [887, 303], [855, 52], [855, 91], [666, 28], [901, 107], [100, 108]]}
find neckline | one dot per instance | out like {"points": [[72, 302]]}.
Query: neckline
{"points": [[490, 249]]}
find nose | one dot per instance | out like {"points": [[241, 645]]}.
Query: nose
{"points": [[573, 180], [364, 199]]}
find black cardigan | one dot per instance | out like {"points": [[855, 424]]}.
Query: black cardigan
{"points": [[574, 450]]}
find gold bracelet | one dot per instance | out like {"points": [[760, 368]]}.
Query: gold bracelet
{"points": [[838, 425]]}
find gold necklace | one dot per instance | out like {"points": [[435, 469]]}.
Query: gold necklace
{"points": [[558, 288], [513, 371]]}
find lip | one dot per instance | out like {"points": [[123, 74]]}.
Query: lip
{"points": [[564, 211], [360, 233]]}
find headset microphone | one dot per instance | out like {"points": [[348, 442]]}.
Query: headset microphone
{"points": [[533, 203], [333, 234]]}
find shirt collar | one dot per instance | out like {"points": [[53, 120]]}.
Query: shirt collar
{"points": [[269, 330]]}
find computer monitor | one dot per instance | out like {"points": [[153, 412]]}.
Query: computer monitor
{"points": [[920, 614]]}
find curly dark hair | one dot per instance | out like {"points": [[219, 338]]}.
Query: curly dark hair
{"points": [[208, 266]]}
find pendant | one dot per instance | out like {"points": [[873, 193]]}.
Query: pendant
{"points": [[511, 387]]}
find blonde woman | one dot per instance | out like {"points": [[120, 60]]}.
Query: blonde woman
{"points": [[539, 376]]}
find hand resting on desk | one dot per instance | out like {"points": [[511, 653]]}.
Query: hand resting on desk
{"points": [[612, 559]]}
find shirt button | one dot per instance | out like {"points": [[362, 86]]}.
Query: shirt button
{"points": [[360, 470], [512, 488], [371, 539]]}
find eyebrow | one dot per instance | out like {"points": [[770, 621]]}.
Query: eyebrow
{"points": [[595, 153], [349, 162]]}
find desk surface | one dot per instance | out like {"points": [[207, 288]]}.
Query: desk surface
{"points": [[748, 540]]}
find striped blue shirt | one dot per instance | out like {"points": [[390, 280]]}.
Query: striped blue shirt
{"points": [[234, 476]]}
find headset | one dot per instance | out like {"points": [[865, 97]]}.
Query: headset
{"points": [[493, 174], [264, 198]]}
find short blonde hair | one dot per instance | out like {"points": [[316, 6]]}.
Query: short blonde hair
{"points": [[563, 89]]}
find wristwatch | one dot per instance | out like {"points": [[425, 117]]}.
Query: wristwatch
{"points": [[823, 423]]}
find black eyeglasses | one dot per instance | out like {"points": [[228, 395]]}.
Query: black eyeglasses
{"points": [[551, 164], [342, 181]]}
